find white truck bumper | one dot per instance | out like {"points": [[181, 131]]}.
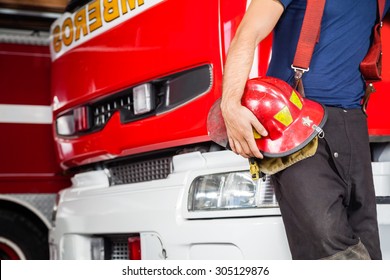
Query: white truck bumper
{"points": [[156, 211]]}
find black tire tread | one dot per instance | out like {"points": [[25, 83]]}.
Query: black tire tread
{"points": [[32, 240]]}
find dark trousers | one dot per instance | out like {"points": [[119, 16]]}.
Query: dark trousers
{"points": [[328, 201]]}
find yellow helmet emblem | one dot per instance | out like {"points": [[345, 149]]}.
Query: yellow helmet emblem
{"points": [[284, 116], [295, 100]]}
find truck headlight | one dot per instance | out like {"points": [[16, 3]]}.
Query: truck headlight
{"points": [[143, 97], [235, 190], [73, 122]]}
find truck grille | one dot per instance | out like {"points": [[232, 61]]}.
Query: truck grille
{"points": [[140, 171], [118, 247], [167, 93], [103, 111]]}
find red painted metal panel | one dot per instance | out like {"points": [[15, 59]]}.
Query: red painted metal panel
{"points": [[36, 183], [25, 74], [168, 38], [27, 149], [28, 162], [378, 107]]}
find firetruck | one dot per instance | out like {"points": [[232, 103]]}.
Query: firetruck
{"points": [[30, 175], [132, 83]]}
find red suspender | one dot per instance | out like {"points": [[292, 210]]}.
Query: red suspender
{"points": [[371, 66], [308, 37]]}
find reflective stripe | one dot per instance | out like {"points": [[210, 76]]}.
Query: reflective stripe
{"points": [[26, 114], [295, 100], [284, 116]]}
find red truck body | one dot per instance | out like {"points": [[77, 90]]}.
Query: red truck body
{"points": [[145, 49], [134, 172], [99, 54], [30, 175], [150, 50]]}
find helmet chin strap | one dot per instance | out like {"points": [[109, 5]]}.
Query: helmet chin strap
{"points": [[298, 82]]}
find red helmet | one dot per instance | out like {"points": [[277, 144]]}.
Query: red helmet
{"points": [[291, 121]]}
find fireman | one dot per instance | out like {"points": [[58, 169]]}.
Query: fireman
{"points": [[327, 200]]}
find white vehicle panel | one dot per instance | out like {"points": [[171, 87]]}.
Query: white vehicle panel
{"points": [[157, 210]]}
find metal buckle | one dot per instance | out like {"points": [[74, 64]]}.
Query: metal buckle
{"points": [[303, 70], [299, 71]]}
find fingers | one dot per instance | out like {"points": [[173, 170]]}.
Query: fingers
{"points": [[246, 149], [240, 148], [254, 150], [240, 122]]}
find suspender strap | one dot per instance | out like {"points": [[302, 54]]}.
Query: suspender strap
{"points": [[381, 8], [310, 32], [309, 35], [371, 66]]}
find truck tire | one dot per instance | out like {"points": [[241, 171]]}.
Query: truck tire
{"points": [[20, 238]]}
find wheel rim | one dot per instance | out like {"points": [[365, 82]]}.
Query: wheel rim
{"points": [[10, 251]]}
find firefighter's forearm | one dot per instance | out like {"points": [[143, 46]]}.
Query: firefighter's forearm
{"points": [[236, 71], [259, 20]]}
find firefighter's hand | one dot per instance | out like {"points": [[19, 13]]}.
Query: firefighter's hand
{"points": [[240, 123]]}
